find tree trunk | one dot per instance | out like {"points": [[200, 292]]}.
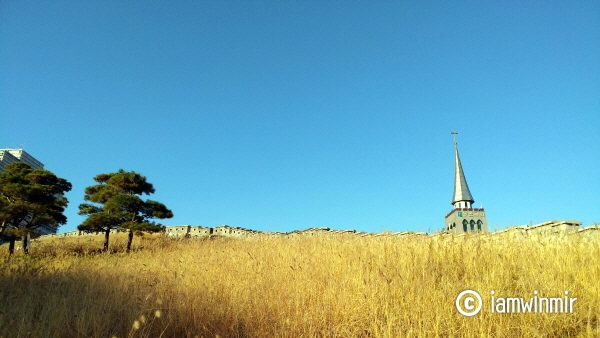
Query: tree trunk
{"points": [[11, 245], [26, 245], [106, 234], [129, 240]]}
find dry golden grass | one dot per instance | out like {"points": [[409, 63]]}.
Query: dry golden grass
{"points": [[321, 286]]}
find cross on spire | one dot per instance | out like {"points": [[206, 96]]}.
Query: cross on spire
{"points": [[454, 133]]}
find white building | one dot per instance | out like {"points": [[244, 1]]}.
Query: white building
{"points": [[8, 156]]}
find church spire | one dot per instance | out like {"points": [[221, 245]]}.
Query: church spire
{"points": [[462, 197]]}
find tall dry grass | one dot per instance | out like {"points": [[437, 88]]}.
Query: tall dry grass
{"points": [[321, 286]]}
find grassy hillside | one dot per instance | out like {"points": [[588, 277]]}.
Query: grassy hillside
{"points": [[321, 286]]}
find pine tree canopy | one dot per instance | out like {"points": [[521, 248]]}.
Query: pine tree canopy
{"points": [[30, 199], [119, 205]]}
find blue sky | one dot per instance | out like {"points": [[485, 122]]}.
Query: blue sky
{"points": [[279, 116]]}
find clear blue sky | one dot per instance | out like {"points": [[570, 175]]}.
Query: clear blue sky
{"points": [[279, 116]]}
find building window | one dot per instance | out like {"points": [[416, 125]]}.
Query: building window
{"points": [[465, 223], [479, 222], [472, 225]]}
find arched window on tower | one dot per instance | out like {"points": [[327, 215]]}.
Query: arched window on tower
{"points": [[465, 224], [479, 223], [472, 225]]}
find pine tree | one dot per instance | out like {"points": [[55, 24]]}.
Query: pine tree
{"points": [[29, 200], [118, 206]]}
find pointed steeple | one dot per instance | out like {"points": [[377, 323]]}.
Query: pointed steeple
{"points": [[461, 189]]}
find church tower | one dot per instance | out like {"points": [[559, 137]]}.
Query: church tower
{"points": [[463, 218]]}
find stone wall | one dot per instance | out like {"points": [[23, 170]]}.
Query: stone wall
{"points": [[552, 229]]}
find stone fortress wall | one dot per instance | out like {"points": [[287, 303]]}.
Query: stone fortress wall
{"points": [[552, 229]]}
